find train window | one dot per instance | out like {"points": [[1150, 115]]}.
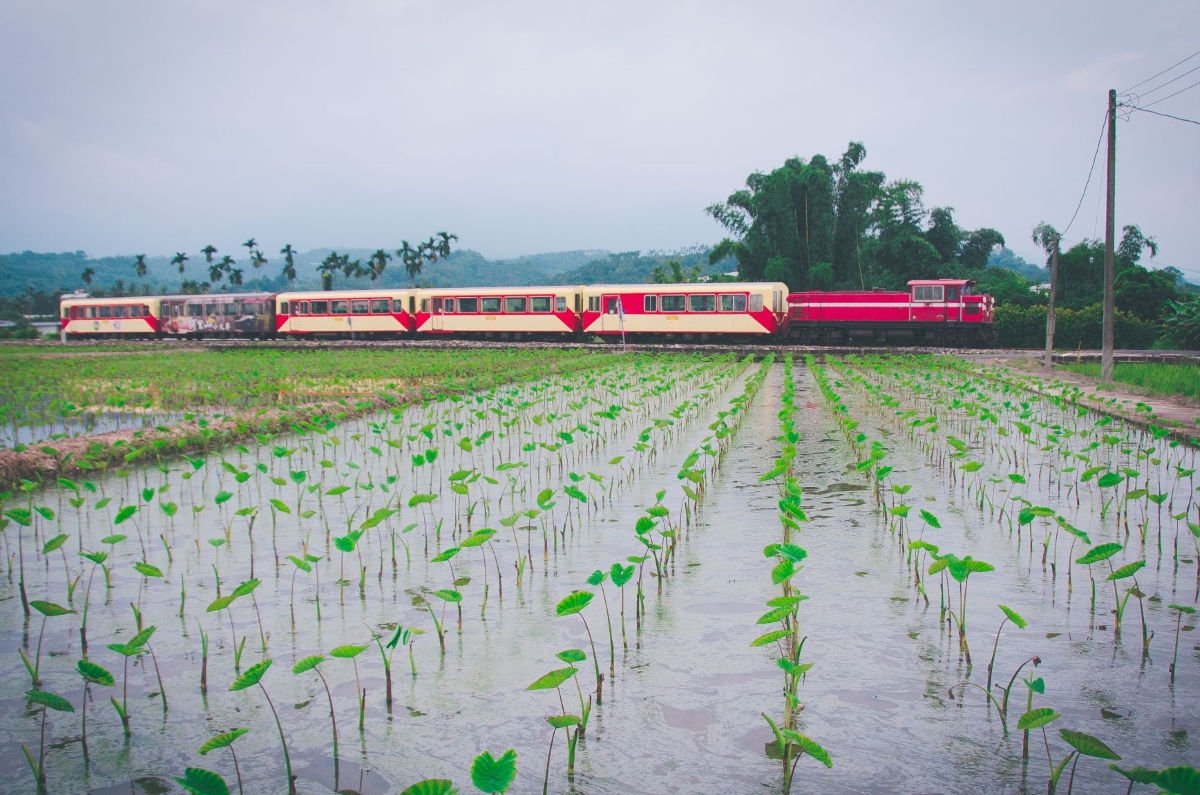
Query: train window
{"points": [[195, 310], [229, 309], [515, 304], [339, 307], [970, 309], [702, 303], [578, 303], [951, 293], [424, 304], [672, 303], [135, 310], [118, 311], [319, 307], [560, 303], [593, 303], [928, 292], [490, 304], [106, 311], [733, 303], [539, 303], [256, 308], [283, 307], [468, 305], [397, 306], [612, 304], [756, 303], [379, 306], [437, 306], [66, 313], [650, 303], [89, 311], [449, 305], [300, 307], [358, 307]]}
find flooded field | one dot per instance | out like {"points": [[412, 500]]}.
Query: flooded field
{"points": [[615, 539]]}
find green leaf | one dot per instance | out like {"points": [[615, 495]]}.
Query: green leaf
{"points": [[346, 652], [1109, 479], [1013, 616], [1087, 745], [1128, 570], [930, 519], [49, 700], [478, 538], [280, 506], [1138, 775], [574, 603], [308, 663], [1099, 553], [95, 673], [223, 740], [494, 775], [252, 676], [146, 570], [113, 539], [49, 608], [1037, 718], [563, 721], [125, 513], [791, 552], [300, 564], [808, 746], [778, 614], [553, 679], [54, 543], [199, 781], [448, 596], [770, 637], [572, 655], [431, 786], [621, 575], [220, 603], [1180, 780], [444, 555], [783, 571]]}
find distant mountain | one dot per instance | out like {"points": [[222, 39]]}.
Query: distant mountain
{"points": [[1005, 258], [56, 273]]}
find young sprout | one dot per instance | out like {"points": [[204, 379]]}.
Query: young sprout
{"points": [[1018, 622], [252, 677], [492, 775], [621, 575], [47, 609], [553, 681], [312, 663], [92, 674], [132, 648], [226, 740], [597, 578], [787, 740], [47, 701], [1180, 611], [572, 605], [350, 652]]}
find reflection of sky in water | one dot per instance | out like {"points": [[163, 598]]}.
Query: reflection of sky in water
{"points": [[682, 714], [86, 423]]}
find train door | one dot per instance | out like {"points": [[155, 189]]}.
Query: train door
{"points": [[436, 315], [953, 303], [610, 305]]}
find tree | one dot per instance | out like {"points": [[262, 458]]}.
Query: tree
{"points": [[289, 263], [443, 245], [178, 261], [219, 269], [854, 193], [87, 275], [943, 234], [258, 260], [978, 246], [251, 245], [208, 252], [352, 270], [235, 277], [411, 258], [329, 266], [378, 263], [139, 265]]}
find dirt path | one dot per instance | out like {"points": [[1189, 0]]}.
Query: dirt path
{"points": [[1179, 414]]}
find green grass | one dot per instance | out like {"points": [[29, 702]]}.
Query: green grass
{"points": [[1160, 379]]}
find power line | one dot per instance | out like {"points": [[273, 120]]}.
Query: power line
{"points": [[1169, 82], [1168, 116], [1090, 172], [1163, 72], [1177, 93]]}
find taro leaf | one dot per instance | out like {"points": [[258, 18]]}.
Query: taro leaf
{"points": [[49, 608], [308, 663], [494, 775], [1087, 745], [146, 570], [444, 555], [347, 652], [300, 564], [337, 490], [572, 655], [1109, 479], [54, 543], [1180, 780], [1128, 570], [222, 740], [563, 721], [930, 519], [113, 539], [808, 746], [344, 543], [1099, 553], [1182, 608], [431, 786], [1037, 718], [49, 700], [597, 577], [778, 614], [448, 596], [574, 603], [786, 601], [971, 466], [1013, 616], [280, 506], [95, 673], [783, 571], [220, 603], [125, 513], [770, 637], [621, 575], [199, 781], [478, 538], [553, 679], [791, 552], [1138, 775], [977, 566], [252, 676]]}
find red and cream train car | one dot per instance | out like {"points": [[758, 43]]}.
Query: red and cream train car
{"points": [[939, 311], [218, 315], [345, 313], [499, 312], [85, 317], [731, 309]]}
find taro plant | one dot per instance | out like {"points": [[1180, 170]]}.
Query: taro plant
{"points": [[47, 609], [226, 740], [47, 701], [199, 781], [312, 663], [92, 674], [1180, 611], [621, 575], [350, 652], [573, 604], [960, 569], [252, 677], [130, 648], [793, 745], [553, 681], [1017, 621], [493, 775]]}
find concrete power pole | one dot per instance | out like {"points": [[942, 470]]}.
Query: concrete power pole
{"points": [[1050, 306], [1106, 361]]}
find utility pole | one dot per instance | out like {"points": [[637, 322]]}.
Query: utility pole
{"points": [[1106, 360], [1050, 306]]}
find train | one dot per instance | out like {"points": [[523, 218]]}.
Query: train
{"points": [[932, 311]]}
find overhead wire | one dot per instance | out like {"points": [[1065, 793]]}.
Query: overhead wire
{"points": [[1167, 115], [1169, 82], [1177, 93], [1091, 171], [1163, 72]]}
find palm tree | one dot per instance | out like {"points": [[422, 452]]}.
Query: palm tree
{"points": [[289, 263], [208, 252], [411, 258], [329, 266], [259, 260], [194, 288], [378, 263], [429, 250], [87, 275], [178, 260], [218, 269], [251, 244], [139, 265], [235, 277], [353, 270], [443, 245]]}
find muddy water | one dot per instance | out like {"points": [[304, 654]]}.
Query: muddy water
{"points": [[683, 711]]}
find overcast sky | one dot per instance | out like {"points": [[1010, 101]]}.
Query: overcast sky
{"points": [[524, 127]]}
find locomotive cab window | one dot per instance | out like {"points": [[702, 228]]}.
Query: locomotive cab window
{"points": [[490, 304], [539, 303], [672, 303], [733, 303], [437, 306], [468, 305], [951, 293], [928, 292], [650, 303], [610, 305]]}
